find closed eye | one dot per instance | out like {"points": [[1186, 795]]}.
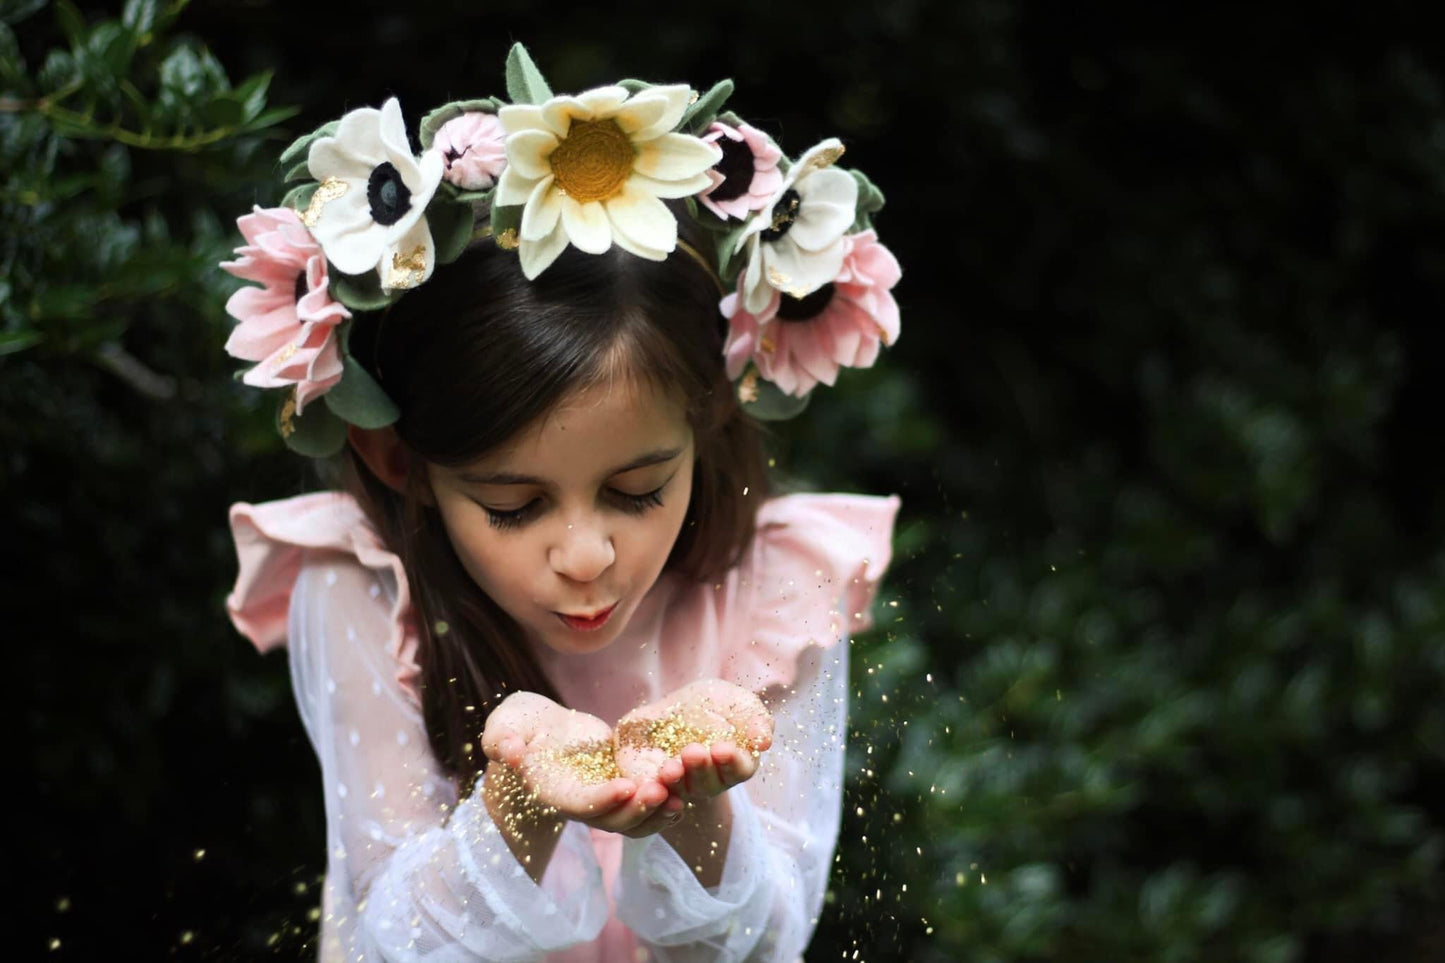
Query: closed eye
{"points": [[505, 519]]}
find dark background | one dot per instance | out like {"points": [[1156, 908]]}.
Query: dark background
{"points": [[1164, 641]]}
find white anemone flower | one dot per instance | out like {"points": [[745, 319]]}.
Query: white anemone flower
{"points": [[368, 213], [795, 243], [591, 170]]}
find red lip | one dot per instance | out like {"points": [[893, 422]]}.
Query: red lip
{"points": [[588, 623]]}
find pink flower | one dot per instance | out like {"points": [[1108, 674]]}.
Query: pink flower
{"points": [[288, 324], [473, 147], [798, 342], [747, 176]]}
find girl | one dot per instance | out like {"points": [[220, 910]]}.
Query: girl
{"points": [[577, 687]]}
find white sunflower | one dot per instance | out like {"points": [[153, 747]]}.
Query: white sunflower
{"points": [[368, 213], [592, 169], [795, 243]]}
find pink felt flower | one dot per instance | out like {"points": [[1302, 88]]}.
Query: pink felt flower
{"points": [[474, 149], [798, 342], [747, 176], [288, 324]]}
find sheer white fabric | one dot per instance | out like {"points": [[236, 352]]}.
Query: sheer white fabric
{"points": [[415, 874], [785, 828]]}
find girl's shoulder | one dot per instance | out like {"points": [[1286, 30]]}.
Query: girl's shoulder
{"points": [[273, 542], [808, 579]]}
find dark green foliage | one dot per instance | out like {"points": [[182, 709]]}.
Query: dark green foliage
{"points": [[1163, 646]]}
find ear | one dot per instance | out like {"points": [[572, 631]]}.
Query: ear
{"points": [[387, 456]]}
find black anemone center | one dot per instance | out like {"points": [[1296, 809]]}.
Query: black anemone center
{"points": [[736, 168], [302, 288], [388, 195], [807, 307], [785, 212]]}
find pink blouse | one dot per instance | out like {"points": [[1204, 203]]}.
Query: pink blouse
{"points": [[415, 873]]}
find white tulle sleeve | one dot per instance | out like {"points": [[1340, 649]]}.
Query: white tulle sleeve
{"points": [[412, 873], [785, 828]]}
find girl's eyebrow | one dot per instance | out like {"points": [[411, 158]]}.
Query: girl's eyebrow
{"points": [[512, 478]]}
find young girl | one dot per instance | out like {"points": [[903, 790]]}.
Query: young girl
{"points": [[577, 686]]}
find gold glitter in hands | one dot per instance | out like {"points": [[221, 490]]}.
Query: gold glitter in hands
{"points": [[589, 762], [407, 270], [330, 190], [593, 161], [674, 733]]}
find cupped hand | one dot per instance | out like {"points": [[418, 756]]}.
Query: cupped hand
{"points": [[564, 759], [698, 742]]}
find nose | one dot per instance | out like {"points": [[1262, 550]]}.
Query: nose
{"points": [[583, 552]]}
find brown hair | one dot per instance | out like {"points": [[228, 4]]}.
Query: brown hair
{"points": [[478, 353]]}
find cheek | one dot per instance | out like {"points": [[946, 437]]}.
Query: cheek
{"points": [[488, 559]]}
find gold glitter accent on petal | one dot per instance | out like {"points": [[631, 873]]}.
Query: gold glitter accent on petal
{"points": [[286, 355], [785, 214], [288, 414], [824, 158], [593, 161], [748, 388], [330, 190], [767, 345], [507, 240], [406, 270]]}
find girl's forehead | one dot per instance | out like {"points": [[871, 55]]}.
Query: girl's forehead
{"points": [[605, 424]]}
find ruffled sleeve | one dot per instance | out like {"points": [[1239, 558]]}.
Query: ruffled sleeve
{"points": [[271, 542], [814, 568]]}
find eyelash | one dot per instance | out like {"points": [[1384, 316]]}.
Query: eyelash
{"points": [[632, 504]]}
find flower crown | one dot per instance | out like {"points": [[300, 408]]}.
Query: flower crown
{"points": [[792, 241]]}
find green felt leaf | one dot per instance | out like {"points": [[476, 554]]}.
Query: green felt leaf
{"points": [[633, 86], [434, 121], [870, 202], [317, 434], [450, 223], [481, 198], [705, 110], [298, 198], [525, 84], [506, 219], [358, 399], [301, 145], [729, 261], [773, 405], [359, 292]]}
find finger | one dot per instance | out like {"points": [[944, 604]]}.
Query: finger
{"points": [[588, 803], [494, 742], [734, 765], [702, 776], [759, 732], [647, 800], [671, 773], [659, 821]]}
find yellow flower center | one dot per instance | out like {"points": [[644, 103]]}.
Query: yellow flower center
{"points": [[594, 160]]}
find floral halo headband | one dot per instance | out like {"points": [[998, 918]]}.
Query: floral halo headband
{"points": [[792, 240]]}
